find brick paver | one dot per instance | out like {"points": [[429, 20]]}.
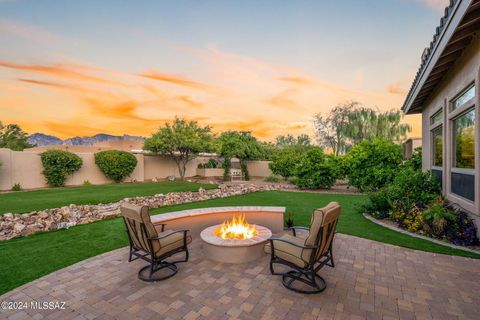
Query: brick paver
{"points": [[371, 280]]}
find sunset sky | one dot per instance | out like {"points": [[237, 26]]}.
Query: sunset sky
{"points": [[71, 68]]}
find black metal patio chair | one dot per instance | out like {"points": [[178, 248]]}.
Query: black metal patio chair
{"points": [[306, 256], [155, 247]]}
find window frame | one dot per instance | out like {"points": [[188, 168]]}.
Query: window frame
{"points": [[451, 116], [434, 126]]}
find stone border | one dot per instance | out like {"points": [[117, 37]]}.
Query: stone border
{"points": [[436, 241], [202, 211]]}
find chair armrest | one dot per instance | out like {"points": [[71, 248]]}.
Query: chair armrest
{"points": [[294, 229], [291, 243], [171, 233], [160, 224]]}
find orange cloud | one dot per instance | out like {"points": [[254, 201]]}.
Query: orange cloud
{"points": [[178, 80], [57, 70], [298, 80], [396, 88]]}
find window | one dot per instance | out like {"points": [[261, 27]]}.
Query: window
{"points": [[465, 96], [437, 146], [437, 117], [464, 140]]}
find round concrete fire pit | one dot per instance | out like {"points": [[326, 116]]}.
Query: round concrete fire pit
{"points": [[234, 251]]}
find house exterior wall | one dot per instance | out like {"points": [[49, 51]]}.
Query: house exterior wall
{"points": [[465, 72]]}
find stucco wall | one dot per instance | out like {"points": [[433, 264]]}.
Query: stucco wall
{"points": [[25, 167], [465, 72], [258, 168]]}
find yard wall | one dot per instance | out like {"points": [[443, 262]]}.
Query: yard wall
{"points": [[25, 167]]}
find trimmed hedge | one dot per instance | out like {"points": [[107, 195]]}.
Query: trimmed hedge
{"points": [[115, 164], [58, 165]]}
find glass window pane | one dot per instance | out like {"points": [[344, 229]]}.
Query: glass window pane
{"points": [[464, 97], [437, 147], [464, 130], [437, 117]]}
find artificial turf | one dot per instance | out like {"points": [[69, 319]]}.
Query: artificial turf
{"points": [[26, 201], [25, 259]]}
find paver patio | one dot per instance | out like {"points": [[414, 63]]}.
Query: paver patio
{"points": [[371, 280]]}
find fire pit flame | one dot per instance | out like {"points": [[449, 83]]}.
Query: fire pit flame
{"points": [[236, 229]]}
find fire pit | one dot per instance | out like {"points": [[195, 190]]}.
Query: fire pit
{"points": [[235, 241]]}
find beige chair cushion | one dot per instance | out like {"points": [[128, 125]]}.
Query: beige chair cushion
{"points": [[140, 215], [170, 243], [317, 221], [289, 252]]}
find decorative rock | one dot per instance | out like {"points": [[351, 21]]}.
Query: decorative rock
{"points": [[14, 225], [18, 227]]}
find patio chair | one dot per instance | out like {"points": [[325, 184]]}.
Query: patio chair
{"points": [[148, 244], [306, 256]]}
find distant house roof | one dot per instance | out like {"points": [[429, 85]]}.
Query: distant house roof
{"points": [[455, 32]]}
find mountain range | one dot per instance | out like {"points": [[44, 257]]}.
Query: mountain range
{"points": [[41, 139]]}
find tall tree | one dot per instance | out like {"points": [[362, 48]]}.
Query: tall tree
{"points": [[348, 124], [369, 124], [330, 129], [290, 140], [13, 137], [182, 140]]}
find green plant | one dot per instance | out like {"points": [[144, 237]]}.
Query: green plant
{"points": [[87, 183], [414, 219], [315, 170], [412, 187], [437, 217], [373, 164], [289, 222], [285, 159], [210, 164], [182, 140], [13, 137], [116, 164], [415, 160], [242, 145], [272, 178], [58, 165], [16, 187]]}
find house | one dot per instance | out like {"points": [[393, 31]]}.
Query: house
{"points": [[410, 145], [446, 91]]}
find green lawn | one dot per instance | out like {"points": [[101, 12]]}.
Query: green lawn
{"points": [[25, 259], [19, 202]]}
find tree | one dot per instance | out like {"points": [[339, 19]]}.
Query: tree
{"points": [[241, 145], [369, 124], [13, 137], [348, 124], [182, 140], [330, 129], [289, 140]]}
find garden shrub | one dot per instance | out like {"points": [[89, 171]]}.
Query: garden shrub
{"points": [[437, 216], [462, 231], [58, 165], [412, 187], [415, 160], [272, 178], [373, 164], [210, 164], [116, 164], [16, 187], [315, 170], [284, 161]]}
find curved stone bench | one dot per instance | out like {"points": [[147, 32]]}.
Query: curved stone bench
{"points": [[198, 219]]}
